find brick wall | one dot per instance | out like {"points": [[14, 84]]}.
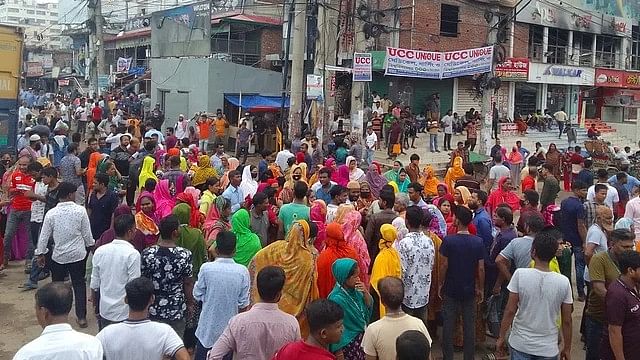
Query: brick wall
{"points": [[270, 43], [521, 40]]}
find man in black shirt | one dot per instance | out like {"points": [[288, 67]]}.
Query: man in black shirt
{"points": [[121, 156], [101, 205]]}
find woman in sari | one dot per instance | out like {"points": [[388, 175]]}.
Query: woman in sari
{"points": [[247, 242], [387, 262], [374, 180], [454, 173], [435, 302], [442, 189], [566, 169], [92, 169], [504, 194], [516, 160], [192, 202], [429, 182], [392, 175], [341, 176], [461, 196], [107, 167], [364, 201], [554, 158], [249, 184], [147, 172], [204, 172], [318, 215], [350, 222], [355, 173], [357, 304], [146, 220], [164, 201], [402, 184], [336, 248], [217, 220], [445, 205], [233, 164], [297, 173], [295, 256]]}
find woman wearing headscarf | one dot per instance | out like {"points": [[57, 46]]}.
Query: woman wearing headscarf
{"points": [[146, 220], [247, 242], [504, 194], [392, 175], [189, 200], [296, 257], [387, 262], [461, 195], [249, 184], [355, 173], [217, 220], [429, 182], [445, 205], [454, 173], [374, 180], [92, 169], [297, 173], [107, 167], [233, 164], [554, 158], [402, 184], [204, 172], [147, 171], [365, 200], [350, 222], [318, 215], [442, 189], [357, 304], [164, 201], [336, 248], [516, 160], [341, 176]]}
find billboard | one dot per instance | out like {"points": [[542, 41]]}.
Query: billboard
{"points": [[182, 31], [438, 65]]}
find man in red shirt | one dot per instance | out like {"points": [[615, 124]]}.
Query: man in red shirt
{"points": [[21, 185], [96, 114], [325, 328]]}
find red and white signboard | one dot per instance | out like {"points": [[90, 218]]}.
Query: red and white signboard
{"points": [[362, 67], [513, 69]]}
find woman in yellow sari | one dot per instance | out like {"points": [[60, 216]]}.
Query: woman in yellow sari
{"points": [[203, 172], [454, 173], [298, 172], [146, 172], [387, 262], [429, 182], [295, 256], [435, 303]]}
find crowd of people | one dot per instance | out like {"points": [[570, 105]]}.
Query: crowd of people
{"points": [[190, 252]]}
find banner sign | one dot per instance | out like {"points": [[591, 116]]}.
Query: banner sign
{"points": [[315, 87], [561, 74], [617, 78], [362, 67], [123, 64], [34, 68], [438, 65], [513, 69]]}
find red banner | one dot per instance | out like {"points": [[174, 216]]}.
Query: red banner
{"points": [[618, 79], [513, 69]]}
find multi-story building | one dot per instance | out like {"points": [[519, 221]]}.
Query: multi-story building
{"points": [[39, 20]]}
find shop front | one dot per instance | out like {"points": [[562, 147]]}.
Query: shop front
{"points": [[514, 73], [555, 87], [616, 97]]}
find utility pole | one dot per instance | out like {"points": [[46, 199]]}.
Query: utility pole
{"points": [[487, 94], [326, 50], [357, 87], [285, 66], [297, 71], [96, 40]]}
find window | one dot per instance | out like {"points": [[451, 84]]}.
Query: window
{"points": [[30, 12], [607, 48], [449, 20], [14, 10], [558, 46], [635, 48], [582, 49], [41, 12], [536, 33]]}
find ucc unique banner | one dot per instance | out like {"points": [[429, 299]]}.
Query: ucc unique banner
{"points": [[438, 65]]}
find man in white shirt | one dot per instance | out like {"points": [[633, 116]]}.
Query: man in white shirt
{"points": [[114, 265], [181, 128], [612, 194], [138, 337], [597, 236], [22, 114], [284, 155], [561, 119], [447, 126], [68, 223], [379, 341], [371, 142], [58, 340], [534, 312]]}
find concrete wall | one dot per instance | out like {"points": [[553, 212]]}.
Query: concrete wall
{"points": [[199, 84]]}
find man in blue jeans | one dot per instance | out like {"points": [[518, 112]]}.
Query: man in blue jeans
{"points": [[461, 283], [574, 230], [603, 270]]}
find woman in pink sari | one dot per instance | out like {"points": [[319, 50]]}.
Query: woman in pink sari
{"points": [[164, 201], [351, 227], [341, 177], [217, 220], [318, 215]]}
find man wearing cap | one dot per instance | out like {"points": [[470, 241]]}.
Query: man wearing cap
{"points": [[354, 192], [33, 150], [68, 223], [181, 128]]}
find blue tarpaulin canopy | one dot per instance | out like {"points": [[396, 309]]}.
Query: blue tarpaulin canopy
{"points": [[257, 102]]}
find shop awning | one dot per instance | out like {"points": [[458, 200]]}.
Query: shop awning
{"points": [[257, 102]]}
